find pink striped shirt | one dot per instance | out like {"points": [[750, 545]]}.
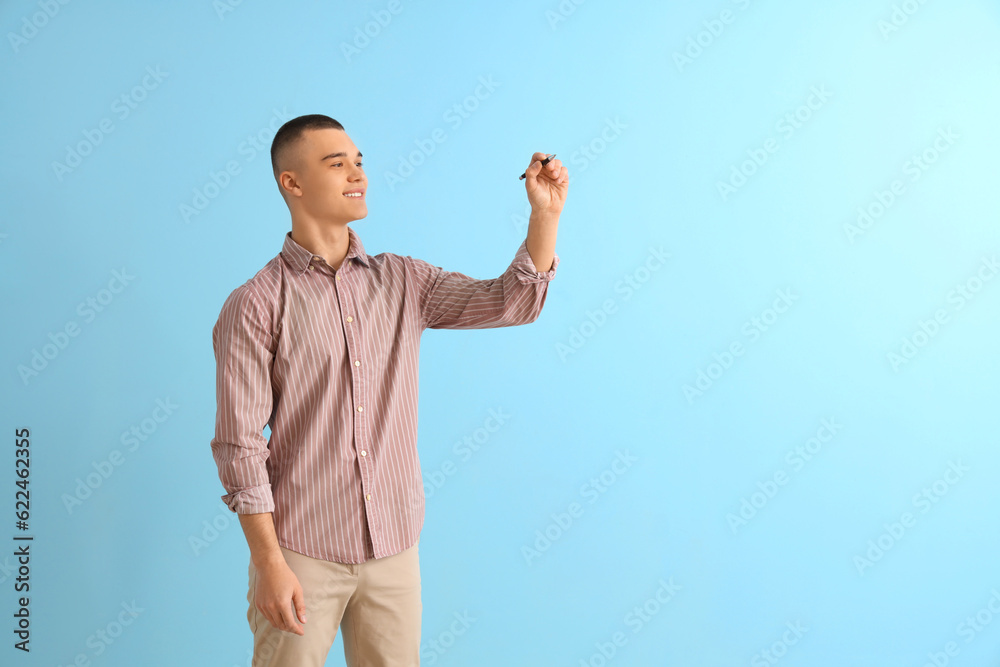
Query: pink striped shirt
{"points": [[329, 359]]}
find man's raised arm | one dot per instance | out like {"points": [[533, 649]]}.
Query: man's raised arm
{"points": [[452, 300]]}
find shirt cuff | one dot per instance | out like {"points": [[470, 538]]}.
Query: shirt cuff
{"points": [[254, 500], [525, 269]]}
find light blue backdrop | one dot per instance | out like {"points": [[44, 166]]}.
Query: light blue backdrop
{"points": [[756, 422]]}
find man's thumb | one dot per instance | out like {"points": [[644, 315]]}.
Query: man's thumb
{"points": [[300, 605]]}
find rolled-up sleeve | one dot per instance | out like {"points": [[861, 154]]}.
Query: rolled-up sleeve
{"points": [[243, 356], [453, 300]]}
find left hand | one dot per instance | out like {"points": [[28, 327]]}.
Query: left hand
{"points": [[546, 186]]}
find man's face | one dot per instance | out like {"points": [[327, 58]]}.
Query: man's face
{"points": [[327, 167]]}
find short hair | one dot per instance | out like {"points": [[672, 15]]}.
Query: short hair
{"points": [[289, 133]]}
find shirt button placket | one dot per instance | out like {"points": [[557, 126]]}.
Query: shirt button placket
{"points": [[359, 383]]}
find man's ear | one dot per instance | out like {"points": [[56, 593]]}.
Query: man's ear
{"points": [[287, 184]]}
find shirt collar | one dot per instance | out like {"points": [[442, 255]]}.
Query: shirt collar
{"points": [[298, 257]]}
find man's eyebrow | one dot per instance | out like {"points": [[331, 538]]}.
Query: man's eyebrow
{"points": [[340, 154]]}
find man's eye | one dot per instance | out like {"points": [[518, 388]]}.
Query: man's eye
{"points": [[360, 164]]}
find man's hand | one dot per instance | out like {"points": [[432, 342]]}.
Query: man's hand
{"points": [[277, 593], [546, 186]]}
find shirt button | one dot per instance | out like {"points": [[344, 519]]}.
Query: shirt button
{"points": [[338, 277], [364, 453], [350, 319], [360, 409], [357, 363], [368, 496], [310, 267]]}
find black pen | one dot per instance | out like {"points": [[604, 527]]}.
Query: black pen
{"points": [[547, 159]]}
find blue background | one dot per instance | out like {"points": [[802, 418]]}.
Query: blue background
{"points": [[651, 106]]}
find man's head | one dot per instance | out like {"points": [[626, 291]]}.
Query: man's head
{"points": [[316, 165]]}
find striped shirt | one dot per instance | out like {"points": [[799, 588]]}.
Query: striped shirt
{"points": [[328, 359]]}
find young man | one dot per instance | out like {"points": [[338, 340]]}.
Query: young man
{"points": [[322, 344]]}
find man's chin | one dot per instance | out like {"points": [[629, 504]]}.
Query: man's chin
{"points": [[352, 216]]}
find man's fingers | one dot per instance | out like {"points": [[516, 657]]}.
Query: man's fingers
{"points": [[300, 604], [552, 170], [283, 618], [537, 158], [288, 621]]}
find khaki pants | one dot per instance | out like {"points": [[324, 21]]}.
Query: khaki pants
{"points": [[377, 603]]}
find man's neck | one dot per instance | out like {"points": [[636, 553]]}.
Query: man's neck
{"points": [[331, 242]]}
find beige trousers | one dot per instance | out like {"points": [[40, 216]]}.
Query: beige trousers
{"points": [[376, 603]]}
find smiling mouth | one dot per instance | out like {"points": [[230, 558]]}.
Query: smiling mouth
{"points": [[354, 195]]}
